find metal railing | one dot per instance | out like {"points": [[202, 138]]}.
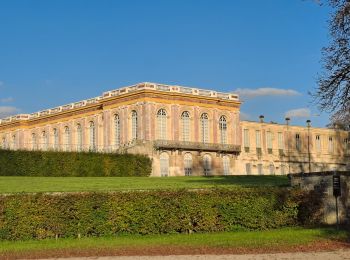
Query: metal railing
{"points": [[196, 146]]}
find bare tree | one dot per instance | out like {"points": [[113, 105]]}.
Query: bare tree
{"points": [[333, 91]]}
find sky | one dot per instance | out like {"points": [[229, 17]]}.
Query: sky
{"points": [[268, 51]]}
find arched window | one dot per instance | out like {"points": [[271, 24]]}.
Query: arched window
{"points": [[161, 124], [34, 143], [188, 164], [207, 164], [134, 125], [116, 131], [283, 169], [44, 141], [223, 129], [66, 138], [164, 164], [205, 127], [55, 139], [272, 169], [92, 131], [13, 145], [226, 165], [185, 121], [79, 138]]}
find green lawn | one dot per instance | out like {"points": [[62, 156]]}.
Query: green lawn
{"points": [[69, 184], [247, 239]]}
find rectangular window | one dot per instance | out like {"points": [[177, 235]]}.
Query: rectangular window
{"points": [[347, 146], [248, 168], [269, 139], [318, 143], [280, 141], [258, 138], [330, 145], [246, 137]]}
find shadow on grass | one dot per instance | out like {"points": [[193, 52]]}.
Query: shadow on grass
{"points": [[331, 232], [244, 180]]}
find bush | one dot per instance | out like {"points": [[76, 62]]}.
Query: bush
{"points": [[41, 163], [41, 216]]}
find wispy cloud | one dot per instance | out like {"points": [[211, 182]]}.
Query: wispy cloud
{"points": [[299, 112], [244, 116], [261, 92], [6, 111], [6, 100]]}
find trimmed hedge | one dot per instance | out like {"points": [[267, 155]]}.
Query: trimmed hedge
{"points": [[50, 163], [41, 216]]}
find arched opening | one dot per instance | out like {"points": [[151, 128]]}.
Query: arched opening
{"points": [[164, 164], [185, 121], [188, 164], [66, 138], [226, 165], [205, 127], [207, 164], [92, 130], [162, 124], [79, 138], [44, 141], [223, 129], [116, 131]]}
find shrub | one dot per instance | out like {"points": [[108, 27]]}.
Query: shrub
{"points": [[50, 163], [41, 216]]}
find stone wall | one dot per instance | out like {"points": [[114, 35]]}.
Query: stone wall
{"points": [[323, 184]]}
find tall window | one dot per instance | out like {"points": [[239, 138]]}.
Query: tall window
{"points": [[134, 125], [258, 138], [205, 127], [79, 138], [55, 139], [164, 164], [185, 120], [246, 138], [248, 168], [330, 145], [346, 146], [297, 142], [280, 141], [92, 132], [269, 141], [66, 138], [3, 143], [223, 129], [44, 141], [207, 164], [318, 143], [34, 142], [226, 165], [161, 124], [116, 130], [272, 169], [283, 169], [13, 145], [188, 164]]}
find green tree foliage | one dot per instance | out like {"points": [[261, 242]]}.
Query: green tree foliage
{"points": [[58, 164]]}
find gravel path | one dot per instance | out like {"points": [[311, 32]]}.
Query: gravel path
{"points": [[333, 255]]}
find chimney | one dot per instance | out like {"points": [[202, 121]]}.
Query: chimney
{"points": [[287, 120], [261, 119]]}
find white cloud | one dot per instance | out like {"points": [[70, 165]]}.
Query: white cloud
{"points": [[7, 100], [260, 92], [6, 111], [299, 112]]}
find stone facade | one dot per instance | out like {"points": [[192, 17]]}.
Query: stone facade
{"points": [[186, 131]]}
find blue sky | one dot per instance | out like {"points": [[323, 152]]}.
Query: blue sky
{"points": [[57, 52]]}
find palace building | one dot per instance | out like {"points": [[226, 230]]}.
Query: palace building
{"points": [[185, 131]]}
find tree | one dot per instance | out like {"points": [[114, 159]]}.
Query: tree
{"points": [[333, 91]]}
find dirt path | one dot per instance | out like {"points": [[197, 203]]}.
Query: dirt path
{"points": [[332, 255]]}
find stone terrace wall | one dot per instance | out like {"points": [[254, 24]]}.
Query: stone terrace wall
{"points": [[322, 182]]}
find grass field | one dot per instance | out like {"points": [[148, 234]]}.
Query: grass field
{"points": [[244, 239], [69, 184]]}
